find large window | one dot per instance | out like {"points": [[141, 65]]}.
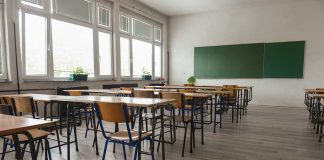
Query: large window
{"points": [[140, 46], [58, 36], [72, 47]]}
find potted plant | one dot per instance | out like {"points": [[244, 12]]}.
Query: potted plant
{"points": [[191, 81], [146, 75], [79, 74]]}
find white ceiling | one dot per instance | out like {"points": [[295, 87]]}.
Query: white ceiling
{"points": [[181, 7]]}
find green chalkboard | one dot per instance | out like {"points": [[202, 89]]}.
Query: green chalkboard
{"points": [[284, 60], [229, 61]]}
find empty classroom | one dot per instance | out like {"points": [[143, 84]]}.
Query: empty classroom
{"points": [[161, 79]]}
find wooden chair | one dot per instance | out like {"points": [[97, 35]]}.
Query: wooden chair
{"points": [[84, 110], [179, 104], [118, 113], [143, 94], [320, 122], [25, 105]]}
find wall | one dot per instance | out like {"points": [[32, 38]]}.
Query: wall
{"points": [[263, 21], [10, 86]]}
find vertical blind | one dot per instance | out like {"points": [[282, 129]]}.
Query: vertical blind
{"points": [[77, 9], [142, 29]]}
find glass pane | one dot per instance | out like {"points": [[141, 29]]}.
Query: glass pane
{"points": [[77, 9], [142, 29], [142, 57], [104, 53], [157, 61], [124, 23], [103, 18], [157, 34], [125, 56], [72, 47], [35, 45], [34, 3]]}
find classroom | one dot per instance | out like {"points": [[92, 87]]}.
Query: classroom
{"points": [[161, 79]]}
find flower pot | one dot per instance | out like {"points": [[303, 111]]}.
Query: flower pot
{"points": [[146, 77], [78, 77]]}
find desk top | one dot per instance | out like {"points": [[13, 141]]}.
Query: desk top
{"points": [[316, 95], [13, 124], [130, 101], [194, 95], [215, 92], [314, 90], [196, 87]]}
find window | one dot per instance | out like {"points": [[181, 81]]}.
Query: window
{"points": [[35, 45], [54, 42], [142, 57], [124, 24], [103, 16], [157, 61], [72, 47], [140, 50], [142, 29], [157, 34], [76, 9], [125, 56], [105, 53], [34, 3]]}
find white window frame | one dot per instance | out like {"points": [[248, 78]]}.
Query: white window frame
{"points": [[47, 13], [129, 23], [131, 36], [4, 72], [98, 5]]}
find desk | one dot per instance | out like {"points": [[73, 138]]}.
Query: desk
{"points": [[197, 97], [13, 125], [141, 103]]}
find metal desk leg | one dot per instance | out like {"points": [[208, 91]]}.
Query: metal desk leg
{"points": [[202, 121], [162, 130], [17, 147], [140, 117], [68, 131], [95, 128]]}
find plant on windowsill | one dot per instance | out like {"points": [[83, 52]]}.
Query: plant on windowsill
{"points": [[191, 81], [79, 74], [146, 75]]}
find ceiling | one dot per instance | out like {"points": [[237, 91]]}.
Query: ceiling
{"points": [[182, 7]]}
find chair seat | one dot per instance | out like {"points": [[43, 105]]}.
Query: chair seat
{"points": [[123, 135], [321, 120], [35, 133], [185, 119]]}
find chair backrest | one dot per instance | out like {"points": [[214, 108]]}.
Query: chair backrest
{"points": [[74, 93], [5, 100], [112, 112], [23, 105], [230, 86], [4, 109], [187, 91], [179, 98], [143, 94], [127, 88]]}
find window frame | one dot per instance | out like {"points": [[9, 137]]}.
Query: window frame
{"points": [[152, 41], [3, 55], [49, 14]]}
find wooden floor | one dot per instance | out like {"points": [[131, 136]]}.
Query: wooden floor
{"points": [[266, 133]]}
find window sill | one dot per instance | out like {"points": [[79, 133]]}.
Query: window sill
{"points": [[65, 80]]}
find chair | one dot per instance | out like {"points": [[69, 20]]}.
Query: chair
{"points": [[36, 134], [25, 106], [85, 110], [118, 113], [143, 94], [179, 103], [320, 122], [230, 100]]}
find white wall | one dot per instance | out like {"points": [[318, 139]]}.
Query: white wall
{"points": [[263, 21]]}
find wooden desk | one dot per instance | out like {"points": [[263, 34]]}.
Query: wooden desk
{"points": [[140, 103], [13, 125]]}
